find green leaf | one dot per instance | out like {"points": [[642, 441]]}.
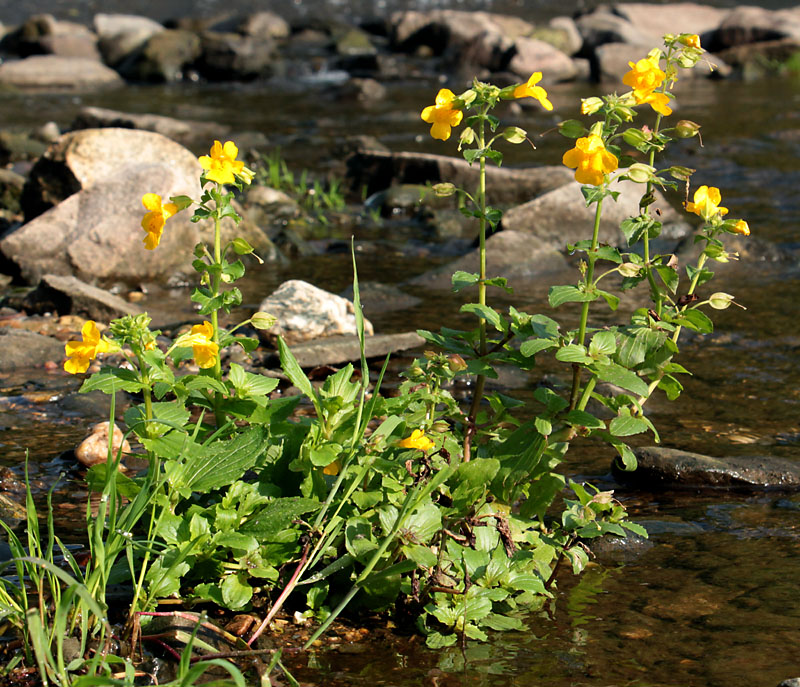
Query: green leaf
{"points": [[604, 343], [635, 527], [110, 380], [583, 419], [500, 283], [558, 295], [622, 377], [626, 454], [235, 592], [696, 320], [486, 313], [634, 349], [296, 375], [626, 425], [462, 280], [277, 515], [502, 623], [533, 346], [669, 276], [703, 275], [436, 640], [610, 298], [573, 353]]}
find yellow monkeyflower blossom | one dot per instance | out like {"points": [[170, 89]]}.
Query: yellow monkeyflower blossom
{"points": [[154, 220], [644, 77], [658, 101], [221, 163], [590, 160], [333, 468], [692, 41], [741, 227], [443, 116], [205, 350], [417, 440], [706, 203], [531, 90], [81, 353]]}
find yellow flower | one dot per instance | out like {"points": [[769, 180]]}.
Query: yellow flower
{"points": [[590, 160], [531, 90], [81, 353], [204, 348], [221, 163], [443, 116], [658, 101], [741, 227], [706, 203], [692, 41], [333, 468], [417, 440], [644, 77], [154, 220]]}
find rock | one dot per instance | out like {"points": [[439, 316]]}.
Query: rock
{"points": [[377, 170], [755, 60], [164, 57], [18, 147], [11, 185], [561, 33], [94, 448], [671, 468], [265, 24], [606, 26], [377, 298], [611, 62], [43, 34], [532, 55], [613, 549], [122, 35], [366, 91], [560, 216], [52, 72], [747, 24], [22, 349], [96, 233], [233, 57], [355, 43], [342, 349], [305, 312], [516, 255], [791, 682], [181, 130], [654, 20], [71, 296]]}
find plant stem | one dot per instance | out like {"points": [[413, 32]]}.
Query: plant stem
{"points": [[589, 279], [215, 284]]}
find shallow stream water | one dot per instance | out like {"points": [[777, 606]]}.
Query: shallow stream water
{"points": [[714, 602]]}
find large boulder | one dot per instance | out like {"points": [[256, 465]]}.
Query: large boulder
{"points": [[23, 349], [377, 170], [560, 216], [654, 20], [95, 233], [231, 56], [305, 312], [747, 24], [265, 25], [532, 55], [52, 72], [164, 57], [121, 35], [606, 26], [43, 34], [71, 296]]}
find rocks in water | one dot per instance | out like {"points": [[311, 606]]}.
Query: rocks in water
{"points": [[560, 216], [23, 349], [71, 296], [516, 255], [94, 448], [53, 72], [120, 36], [233, 57], [378, 170], [613, 549], [654, 20], [534, 55], [305, 312], [43, 34], [165, 57], [747, 24], [667, 468], [93, 181], [335, 350], [181, 130]]}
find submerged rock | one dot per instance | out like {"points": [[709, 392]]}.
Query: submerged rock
{"points": [[94, 448], [306, 312], [665, 468], [22, 349], [53, 72]]}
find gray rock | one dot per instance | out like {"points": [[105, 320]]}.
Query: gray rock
{"points": [[181, 130], [613, 549], [22, 349], [791, 682], [231, 56], [560, 216], [355, 42], [671, 468], [516, 255], [71, 296], [378, 170], [16, 147], [366, 91], [44, 34], [533, 55], [756, 60], [612, 60], [164, 57], [305, 312], [654, 20], [341, 349], [122, 35], [561, 33], [52, 72], [748, 24], [11, 185], [266, 24], [606, 26]]}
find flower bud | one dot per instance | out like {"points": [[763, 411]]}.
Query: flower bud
{"points": [[241, 246], [635, 137], [590, 105], [686, 128], [444, 190], [629, 269], [246, 175], [720, 300], [199, 250], [456, 363], [690, 40], [640, 173], [440, 426], [263, 320], [741, 227], [515, 135], [571, 128], [466, 138], [597, 129]]}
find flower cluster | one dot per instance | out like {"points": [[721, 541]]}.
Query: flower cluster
{"points": [[644, 78]]}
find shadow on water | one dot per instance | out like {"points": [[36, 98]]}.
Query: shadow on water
{"points": [[714, 601]]}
